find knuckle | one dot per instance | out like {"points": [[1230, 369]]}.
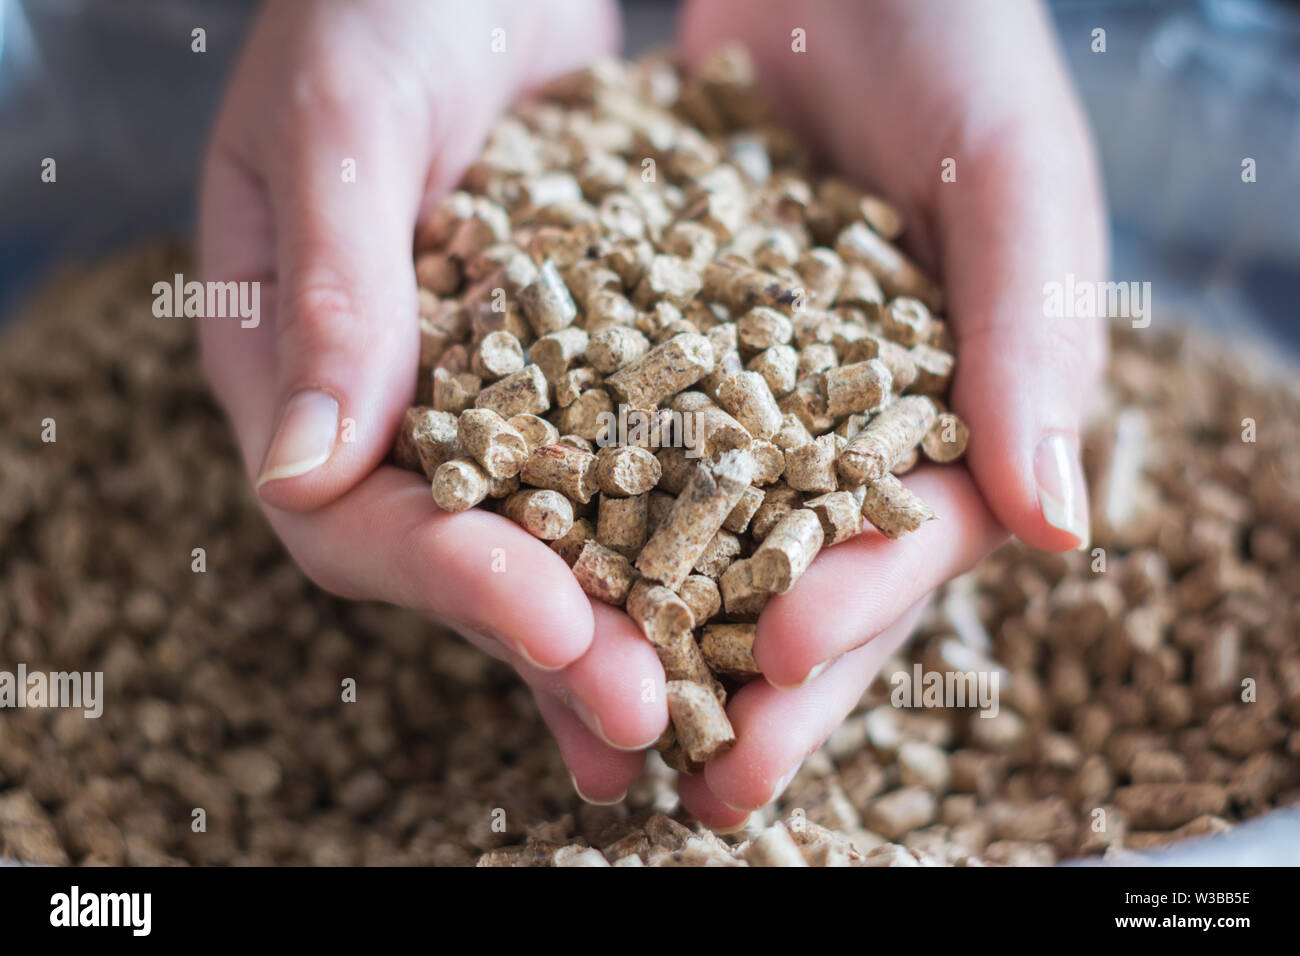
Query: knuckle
{"points": [[321, 313]]}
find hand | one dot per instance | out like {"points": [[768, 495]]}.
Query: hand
{"points": [[406, 92], [888, 91]]}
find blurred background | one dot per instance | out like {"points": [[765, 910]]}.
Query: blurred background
{"points": [[1184, 92]]}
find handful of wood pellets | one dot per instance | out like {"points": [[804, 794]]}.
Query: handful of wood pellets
{"points": [[652, 337]]}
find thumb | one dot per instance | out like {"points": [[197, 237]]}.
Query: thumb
{"points": [[345, 195], [1024, 375]]}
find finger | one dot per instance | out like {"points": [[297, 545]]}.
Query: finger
{"points": [[600, 774], [1025, 375], [870, 581], [619, 683], [386, 540], [616, 688], [777, 729], [345, 185], [701, 803], [236, 244]]}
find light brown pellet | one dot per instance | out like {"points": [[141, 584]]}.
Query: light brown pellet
{"points": [[749, 400], [563, 468], [897, 274], [536, 431], [741, 597], [792, 433], [703, 730], [779, 366], [906, 320], [492, 442], [425, 440], [676, 466], [543, 514], [811, 467], [666, 621], [887, 437], [615, 346], [502, 487], [859, 289], [723, 548], [627, 470], [697, 515], [555, 352], [946, 440], [497, 355], [621, 523], [859, 387], [778, 500], [742, 287], [523, 393], [787, 551], [708, 430], [934, 369], [571, 384], [603, 573], [728, 649], [660, 612], [569, 547], [459, 484], [738, 520], [769, 461], [762, 328], [899, 360], [903, 810], [840, 515], [807, 404], [822, 272], [663, 371], [774, 847], [578, 442], [455, 391], [906, 463], [816, 358], [588, 416], [546, 301], [702, 596], [893, 509]]}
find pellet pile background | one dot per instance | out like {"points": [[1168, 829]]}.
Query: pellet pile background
{"points": [[223, 687]]}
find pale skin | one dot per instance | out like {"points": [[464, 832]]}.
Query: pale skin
{"points": [[887, 91]]}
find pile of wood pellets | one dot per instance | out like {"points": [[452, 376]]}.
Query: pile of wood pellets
{"points": [[222, 686], [651, 336]]}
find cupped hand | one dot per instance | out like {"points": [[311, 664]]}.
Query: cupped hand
{"points": [[895, 94], [343, 123]]}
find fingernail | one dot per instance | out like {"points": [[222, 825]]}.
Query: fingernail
{"points": [[594, 802], [585, 714], [519, 648], [815, 672], [305, 438], [726, 831], [1061, 495], [784, 782]]}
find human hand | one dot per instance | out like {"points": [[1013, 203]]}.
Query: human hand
{"points": [[889, 91], [406, 93]]}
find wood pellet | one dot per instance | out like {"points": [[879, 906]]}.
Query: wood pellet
{"points": [[697, 383]]}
